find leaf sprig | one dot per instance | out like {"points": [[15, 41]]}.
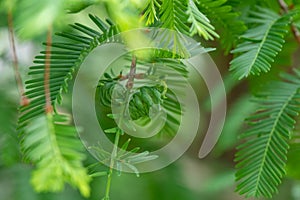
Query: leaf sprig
{"points": [[261, 43], [262, 158], [52, 145]]}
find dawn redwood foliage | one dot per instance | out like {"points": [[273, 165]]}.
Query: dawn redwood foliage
{"points": [[253, 34]]}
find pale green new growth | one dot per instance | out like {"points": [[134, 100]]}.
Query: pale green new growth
{"points": [[150, 13], [200, 24], [53, 146]]}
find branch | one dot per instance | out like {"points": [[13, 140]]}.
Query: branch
{"points": [[131, 74], [136, 76], [24, 100], [48, 107], [295, 30]]}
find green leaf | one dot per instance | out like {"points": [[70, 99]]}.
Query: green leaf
{"points": [[261, 43], [262, 158]]}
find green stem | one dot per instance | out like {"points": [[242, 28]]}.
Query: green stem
{"points": [[119, 132], [111, 166]]}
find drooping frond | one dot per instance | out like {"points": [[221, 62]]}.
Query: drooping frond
{"points": [[181, 16], [262, 158], [52, 145], [200, 24], [261, 43], [48, 141], [150, 11], [224, 19], [173, 15], [65, 58]]}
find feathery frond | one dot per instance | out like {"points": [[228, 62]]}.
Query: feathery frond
{"points": [[173, 15], [262, 158], [200, 24], [65, 58], [150, 11], [262, 43], [224, 19], [47, 140], [52, 145], [177, 15]]}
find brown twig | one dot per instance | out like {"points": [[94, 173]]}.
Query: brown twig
{"points": [[294, 29], [283, 5], [48, 107], [136, 76], [131, 74], [24, 100]]}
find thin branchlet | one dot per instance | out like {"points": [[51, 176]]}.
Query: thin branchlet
{"points": [[129, 85], [24, 100], [48, 107], [294, 28], [132, 73]]}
